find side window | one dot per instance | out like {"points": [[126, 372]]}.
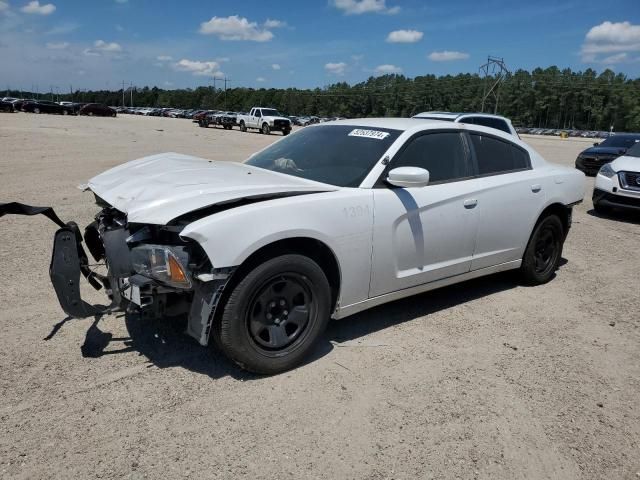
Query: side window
{"points": [[496, 156], [443, 154], [258, 112], [492, 123]]}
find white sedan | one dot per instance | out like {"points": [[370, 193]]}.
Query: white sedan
{"points": [[325, 223], [618, 183]]}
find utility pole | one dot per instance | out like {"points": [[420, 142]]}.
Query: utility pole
{"points": [[131, 92], [123, 93], [495, 72], [225, 92]]}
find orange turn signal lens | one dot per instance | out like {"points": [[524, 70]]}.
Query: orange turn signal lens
{"points": [[176, 273]]}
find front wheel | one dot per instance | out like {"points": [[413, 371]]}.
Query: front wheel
{"points": [[265, 129], [243, 127], [275, 314], [543, 253]]}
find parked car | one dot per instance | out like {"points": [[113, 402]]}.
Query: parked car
{"points": [[265, 120], [590, 160], [97, 109], [328, 222], [618, 183], [44, 106], [226, 120], [493, 121], [6, 106]]}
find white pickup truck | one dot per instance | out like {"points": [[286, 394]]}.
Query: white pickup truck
{"points": [[266, 120]]}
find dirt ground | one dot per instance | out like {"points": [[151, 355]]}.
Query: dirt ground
{"points": [[483, 380]]}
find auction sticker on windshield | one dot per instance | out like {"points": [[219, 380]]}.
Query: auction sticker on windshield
{"points": [[359, 132]]}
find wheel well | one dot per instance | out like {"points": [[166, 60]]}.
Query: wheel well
{"points": [[309, 247], [561, 211]]}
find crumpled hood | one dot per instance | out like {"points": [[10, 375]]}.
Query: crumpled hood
{"points": [[159, 188], [604, 151]]}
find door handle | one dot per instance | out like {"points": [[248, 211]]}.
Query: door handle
{"points": [[536, 188], [470, 203]]}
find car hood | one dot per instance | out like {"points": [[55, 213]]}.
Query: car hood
{"points": [[269, 117], [159, 188], [604, 151], [626, 164]]}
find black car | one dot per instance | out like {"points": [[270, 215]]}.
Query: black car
{"points": [[6, 106], [590, 160], [43, 106], [97, 109]]}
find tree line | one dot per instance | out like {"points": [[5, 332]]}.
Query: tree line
{"points": [[545, 98]]}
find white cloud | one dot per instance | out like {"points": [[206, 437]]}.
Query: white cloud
{"points": [[271, 23], [261, 79], [164, 58], [387, 69], [235, 28], [100, 47], [120, 28], [103, 46], [3, 6], [36, 8], [335, 68], [275, 66], [617, 58], [611, 37], [57, 45], [198, 68], [447, 56], [405, 36], [358, 7]]}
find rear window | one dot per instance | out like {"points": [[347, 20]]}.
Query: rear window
{"points": [[497, 156]]}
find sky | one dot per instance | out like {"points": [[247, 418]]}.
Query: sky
{"points": [[98, 44]]}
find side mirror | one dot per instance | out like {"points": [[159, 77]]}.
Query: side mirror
{"points": [[595, 144], [407, 177]]}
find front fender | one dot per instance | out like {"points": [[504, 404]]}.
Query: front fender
{"points": [[342, 220]]}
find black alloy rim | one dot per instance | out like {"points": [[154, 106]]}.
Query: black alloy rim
{"points": [[281, 312], [546, 249]]}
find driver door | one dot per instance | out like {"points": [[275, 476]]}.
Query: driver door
{"points": [[424, 234]]}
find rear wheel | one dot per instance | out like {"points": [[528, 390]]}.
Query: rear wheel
{"points": [[543, 253], [286, 132], [275, 314]]}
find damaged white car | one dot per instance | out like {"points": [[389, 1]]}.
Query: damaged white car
{"points": [[325, 223]]}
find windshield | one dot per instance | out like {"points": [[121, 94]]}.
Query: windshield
{"points": [[620, 141], [340, 155], [634, 151], [270, 112]]}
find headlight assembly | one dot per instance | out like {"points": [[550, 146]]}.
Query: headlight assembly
{"points": [[163, 263], [607, 171]]}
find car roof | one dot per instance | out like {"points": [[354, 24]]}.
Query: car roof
{"points": [[391, 123], [455, 115]]}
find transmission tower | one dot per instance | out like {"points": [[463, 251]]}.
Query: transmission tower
{"points": [[494, 72]]}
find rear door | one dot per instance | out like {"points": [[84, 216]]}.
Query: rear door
{"points": [[427, 233], [509, 197]]}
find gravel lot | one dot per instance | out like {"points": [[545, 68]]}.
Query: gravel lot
{"points": [[486, 380]]}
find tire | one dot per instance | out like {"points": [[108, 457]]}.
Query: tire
{"points": [[286, 132], [602, 209], [265, 129], [90, 114], [64, 112], [36, 110], [256, 329], [243, 127], [543, 253]]}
